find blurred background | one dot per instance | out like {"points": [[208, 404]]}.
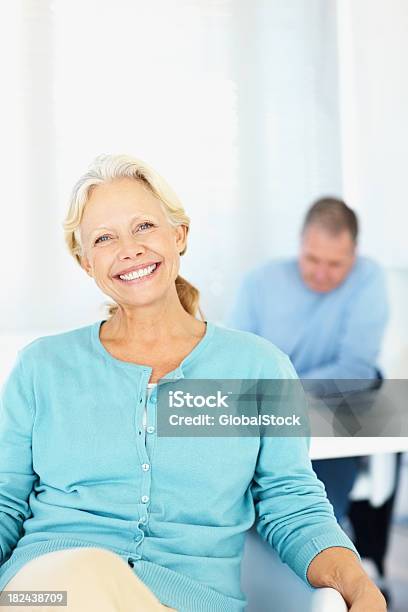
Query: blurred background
{"points": [[250, 109]]}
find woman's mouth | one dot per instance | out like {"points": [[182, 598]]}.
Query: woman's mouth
{"points": [[138, 276]]}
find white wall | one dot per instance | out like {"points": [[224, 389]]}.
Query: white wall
{"points": [[247, 108], [373, 51], [289, 147]]}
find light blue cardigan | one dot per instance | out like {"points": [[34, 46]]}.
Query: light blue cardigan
{"points": [[77, 468]]}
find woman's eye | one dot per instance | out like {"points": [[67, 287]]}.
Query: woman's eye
{"points": [[101, 238], [146, 223], [143, 226]]}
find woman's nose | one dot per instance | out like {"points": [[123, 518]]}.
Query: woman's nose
{"points": [[130, 247]]}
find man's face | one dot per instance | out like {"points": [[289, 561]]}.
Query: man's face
{"points": [[325, 260]]}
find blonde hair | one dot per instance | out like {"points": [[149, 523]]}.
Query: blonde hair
{"points": [[106, 168]]}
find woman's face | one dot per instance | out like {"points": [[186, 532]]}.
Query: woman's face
{"points": [[128, 244]]}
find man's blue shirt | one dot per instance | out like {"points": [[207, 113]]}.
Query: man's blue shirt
{"points": [[326, 335]]}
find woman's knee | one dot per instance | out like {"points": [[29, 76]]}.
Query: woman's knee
{"points": [[70, 564], [99, 562], [89, 557], [96, 578]]}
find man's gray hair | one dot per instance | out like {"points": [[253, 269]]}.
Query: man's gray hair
{"points": [[332, 215]]}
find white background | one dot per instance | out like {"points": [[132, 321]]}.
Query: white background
{"points": [[250, 109]]}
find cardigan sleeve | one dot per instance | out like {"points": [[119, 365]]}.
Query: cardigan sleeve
{"points": [[16, 470], [293, 513]]}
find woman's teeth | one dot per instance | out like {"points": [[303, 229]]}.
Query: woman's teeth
{"points": [[138, 273]]}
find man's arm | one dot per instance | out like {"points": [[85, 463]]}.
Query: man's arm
{"points": [[340, 569], [16, 470], [364, 326]]}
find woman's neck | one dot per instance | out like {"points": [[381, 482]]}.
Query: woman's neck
{"points": [[147, 328]]}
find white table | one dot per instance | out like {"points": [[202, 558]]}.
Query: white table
{"points": [[328, 448], [386, 413]]}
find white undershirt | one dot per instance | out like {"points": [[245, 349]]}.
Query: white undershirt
{"points": [[150, 387]]}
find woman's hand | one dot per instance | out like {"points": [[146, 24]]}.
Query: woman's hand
{"points": [[339, 568], [367, 598]]}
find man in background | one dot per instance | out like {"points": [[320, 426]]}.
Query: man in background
{"points": [[326, 309]]}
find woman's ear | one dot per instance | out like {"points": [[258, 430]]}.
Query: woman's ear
{"points": [[181, 237]]}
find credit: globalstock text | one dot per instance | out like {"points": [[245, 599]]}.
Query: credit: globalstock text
{"points": [[229, 419]]}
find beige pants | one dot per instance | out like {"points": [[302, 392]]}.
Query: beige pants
{"points": [[96, 580]]}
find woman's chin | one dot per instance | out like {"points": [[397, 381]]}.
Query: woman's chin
{"points": [[143, 299]]}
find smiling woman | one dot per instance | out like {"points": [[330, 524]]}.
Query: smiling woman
{"points": [[82, 464]]}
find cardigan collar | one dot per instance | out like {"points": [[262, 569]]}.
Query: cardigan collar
{"points": [[173, 375]]}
